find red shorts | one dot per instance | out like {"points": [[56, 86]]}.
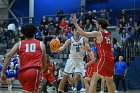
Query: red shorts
{"points": [[105, 67], [90, 70], [29, 79], [50, 78]]}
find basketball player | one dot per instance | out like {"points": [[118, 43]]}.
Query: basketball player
{"points": [[48, 77], [105, 63], [32, 55], [90, 66], [75, 62]]}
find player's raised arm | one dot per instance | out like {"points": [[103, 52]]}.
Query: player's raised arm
{"points": [[81, 32]]}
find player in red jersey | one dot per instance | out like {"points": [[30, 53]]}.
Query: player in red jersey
{"points": [[105, 65], [90, 66], [32, 59], [47, 76]]}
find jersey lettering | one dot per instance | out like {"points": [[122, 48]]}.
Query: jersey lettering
{"points": [[30, 47], [108, 41]]}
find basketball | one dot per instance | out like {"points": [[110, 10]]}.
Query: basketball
{"points": [[54, 44]]}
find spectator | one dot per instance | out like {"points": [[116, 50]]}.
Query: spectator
{"points": [[61, 64], [67, 31], [11, 73], [82, 18], [63, 24], [120, 73], [88, 26], [11, 27], [60, 14], [44, 21], [133, 33], [90, 16], [39, 34], [117, 47], [124, 15], [57, 22], [50, 21]]}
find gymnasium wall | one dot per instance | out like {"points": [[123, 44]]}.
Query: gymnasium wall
{"points": [[20, 8], [44, 7], [49, 7], [116, 6]]}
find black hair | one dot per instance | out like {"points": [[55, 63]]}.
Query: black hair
{"points": [[103, 22], [28, 30]]}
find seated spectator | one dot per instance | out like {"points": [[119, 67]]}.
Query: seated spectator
{"points": [[133, 33], [117, 47], [88, 26], [61, 64], [44, 21], [63, 24], [39, 34], [67, 31]]}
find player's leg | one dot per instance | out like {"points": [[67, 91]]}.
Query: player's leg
{"points": [[30, 84], [102, 84], [68, 70], [44, 84], [87, 84], [78, 71], [62, 83], [75, 78], [93, 83], [83, 85], [110, 84]]}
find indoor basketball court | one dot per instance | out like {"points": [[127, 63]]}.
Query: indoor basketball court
{"points": [[47, 39]]}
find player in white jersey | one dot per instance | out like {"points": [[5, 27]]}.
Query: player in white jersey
{"points": [[75, 62]]}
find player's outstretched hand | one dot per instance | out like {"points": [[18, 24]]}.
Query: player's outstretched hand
{"points": [[94, 21], [55, 51], [3, 77], [74, 20]]}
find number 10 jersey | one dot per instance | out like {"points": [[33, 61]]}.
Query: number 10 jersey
{"points": [[30, 53]]}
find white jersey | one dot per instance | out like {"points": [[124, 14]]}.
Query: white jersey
{"points": [[76, 49]]}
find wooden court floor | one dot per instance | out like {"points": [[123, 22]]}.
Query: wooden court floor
{"points": [[19, 91]]}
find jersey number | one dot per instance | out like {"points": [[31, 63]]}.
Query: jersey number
{"points": [[77, 49], [30, 48], [108, 41]]}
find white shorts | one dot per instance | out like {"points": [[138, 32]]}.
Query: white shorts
{"points": [[75, 66]]}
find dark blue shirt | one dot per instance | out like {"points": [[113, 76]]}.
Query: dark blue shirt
{"points": [[120, 68]]}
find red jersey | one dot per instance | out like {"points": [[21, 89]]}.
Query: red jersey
{"points": [[90, 69], [104, 48], [105, 64], [48, 73], [49, 69], [30, 53]]}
